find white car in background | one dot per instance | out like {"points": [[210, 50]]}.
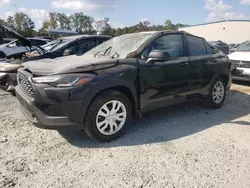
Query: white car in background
{"points": [[241, 62]]}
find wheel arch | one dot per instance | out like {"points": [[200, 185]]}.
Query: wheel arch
{"points": [[2, 54], [127, 88], [224, 76]]}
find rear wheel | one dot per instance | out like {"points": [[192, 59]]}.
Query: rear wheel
{"points": [[217, 94], [107, 116]]}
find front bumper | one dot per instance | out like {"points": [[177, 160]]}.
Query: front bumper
{"points": [[241, 74], [35, 115]]}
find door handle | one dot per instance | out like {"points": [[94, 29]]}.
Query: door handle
{"points": [[184, 64]]}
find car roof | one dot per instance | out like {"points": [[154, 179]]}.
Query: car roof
{"points": [[74, 37], [35, 38], [158, 33]]}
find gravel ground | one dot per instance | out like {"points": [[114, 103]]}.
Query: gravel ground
{"points": [[181, 146]]}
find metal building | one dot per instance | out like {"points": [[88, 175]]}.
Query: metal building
{"points": [[229, 31]]}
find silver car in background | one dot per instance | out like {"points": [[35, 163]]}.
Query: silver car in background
{"points": [[17, 49]]}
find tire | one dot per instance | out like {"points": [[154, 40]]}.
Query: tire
{"points": [[215, 99], [2, 55], [100, 112]]}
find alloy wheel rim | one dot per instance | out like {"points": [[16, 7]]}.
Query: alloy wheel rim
{"points": [[111, 117], [218, 92]]}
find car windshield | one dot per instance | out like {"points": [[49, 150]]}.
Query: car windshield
{"points": [[244, 47], [59, 44], [50, 45], [120, 46]]}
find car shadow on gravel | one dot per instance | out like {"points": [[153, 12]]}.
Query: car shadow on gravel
{"points": [[171, 123]]}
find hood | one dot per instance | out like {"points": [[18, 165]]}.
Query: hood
{"points": [[240, 56], [24, 41], [69, 64]]}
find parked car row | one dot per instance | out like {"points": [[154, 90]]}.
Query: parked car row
{"points": [[30, 51], [239, 54], [241, 62], [224, 47], [104, 84]]}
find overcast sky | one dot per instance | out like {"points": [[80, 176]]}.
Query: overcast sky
{"points": [[129, 12]]}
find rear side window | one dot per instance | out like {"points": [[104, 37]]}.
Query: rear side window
{"points": [[196, 46], [209, 48]]}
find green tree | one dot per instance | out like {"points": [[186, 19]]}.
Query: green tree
{"points": [[119, 31], [64, 21], [103, 26], [23, 24], [82, 23], [53, 20], [11, 22], [45, 24], [3, 22], [169, 25]]}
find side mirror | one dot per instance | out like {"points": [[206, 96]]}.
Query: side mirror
{"points": [[157, 55], [67, 52]]}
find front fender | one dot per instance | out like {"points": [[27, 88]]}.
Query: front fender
{"points": [[111, 84]]}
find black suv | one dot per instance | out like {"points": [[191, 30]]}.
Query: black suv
{"points": [[128, 75]]}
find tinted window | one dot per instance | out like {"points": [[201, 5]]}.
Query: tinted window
{"points": [[196, 46], [85, 46], [209, 48], [173, 44], [101, 40], [72, 49], [38, 42]]}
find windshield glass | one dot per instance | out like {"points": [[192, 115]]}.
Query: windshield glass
{"points": [[244, 47], [50, 45], [59, 44], [121, 45]]}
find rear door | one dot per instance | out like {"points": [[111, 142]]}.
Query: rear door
{"points": [[199, 56]]}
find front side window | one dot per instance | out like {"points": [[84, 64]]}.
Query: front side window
{"points": [[70, 50], [196, 46], [85, 46], [172, 43]]}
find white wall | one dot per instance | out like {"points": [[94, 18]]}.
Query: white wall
{"points": [[228, 31]]}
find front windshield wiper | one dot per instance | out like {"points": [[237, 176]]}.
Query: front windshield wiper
{"points": [[106, 52]]}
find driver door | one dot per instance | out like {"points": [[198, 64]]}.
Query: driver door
{"points": [[164, 83]]}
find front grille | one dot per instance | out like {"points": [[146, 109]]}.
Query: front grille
{"points": [[242, 64], [24, 82]]}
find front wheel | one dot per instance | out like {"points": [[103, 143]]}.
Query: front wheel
{"points": [[107, 116], [217, 94]]}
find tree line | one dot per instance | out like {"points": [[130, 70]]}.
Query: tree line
{"points": [[79, 22]]}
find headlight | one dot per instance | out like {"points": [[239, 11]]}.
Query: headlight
{"points": [[9, 67], [66, 80]]}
